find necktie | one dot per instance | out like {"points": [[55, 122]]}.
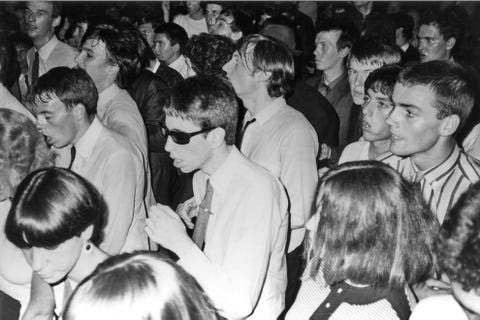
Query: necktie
{"points": [[73, 153], [202, 218], [35, 69], [239, 139]]}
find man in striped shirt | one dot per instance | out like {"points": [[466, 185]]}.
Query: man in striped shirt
{"points": [[432, 101]]}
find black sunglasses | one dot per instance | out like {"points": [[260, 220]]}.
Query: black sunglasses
{"points": [[180, 137]]}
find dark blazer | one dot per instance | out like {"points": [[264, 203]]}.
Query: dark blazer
{"points": [[411, 56], [318, 111], [169, 75]]}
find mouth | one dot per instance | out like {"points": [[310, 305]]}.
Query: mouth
{"points": [[394, 137], [365, 125]]}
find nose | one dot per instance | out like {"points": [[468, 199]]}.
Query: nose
{"points": [[79, 59], [169, 145], [37, 259], [392, 119], [367, 109]]}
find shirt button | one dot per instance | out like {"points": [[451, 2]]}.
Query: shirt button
{"points": [[339, 290], [327, 305]]}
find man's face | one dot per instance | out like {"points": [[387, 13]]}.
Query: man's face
{"points": [[54, 264], [164, 50], [326, 53], [39, 20], [240, 76], [375, 111], [431, 44], [357, 74], [191, 156], [212, 12], [146, 29], [55, 122], [93, 59], [193, 6], [224, 26], [414, 126]]}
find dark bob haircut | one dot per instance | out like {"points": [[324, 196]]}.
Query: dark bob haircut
{"points": [[373, 228], [52, 206], [458, 245], [383, 79], [70, 86]]}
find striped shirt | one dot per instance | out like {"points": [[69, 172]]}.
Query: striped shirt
{"points": [[443, 184]]}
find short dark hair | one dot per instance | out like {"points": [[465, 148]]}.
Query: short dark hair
{"points": [[71, 86], [121, 50], [208, 53], [453, 86], [208, 101], [447, 25], [141, 285], [242, 20], [52, 206], [373, 228], [376, 50], [404, 21], [269, 55], [459, 240], [349, 34], [174, 33], [383, 79]]}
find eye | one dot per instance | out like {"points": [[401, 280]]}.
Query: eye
{"points": [[409, 113]]}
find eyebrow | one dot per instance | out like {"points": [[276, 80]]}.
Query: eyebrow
{"points": [[407, 105]]}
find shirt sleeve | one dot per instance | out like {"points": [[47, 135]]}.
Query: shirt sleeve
{"points": [[235, 284]]}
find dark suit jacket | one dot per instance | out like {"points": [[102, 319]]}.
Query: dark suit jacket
{"points": [[411, 56], [169, 75], [318, 111], [9, 307]]}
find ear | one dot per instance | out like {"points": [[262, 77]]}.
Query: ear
{"points": [[237, 35], [449, 125], [398, 32], [176, 46], [451, 43], [262, 75], [216, 137], [56, 21], [344, 52], [79, 111], [113, 69], [87, 233]]}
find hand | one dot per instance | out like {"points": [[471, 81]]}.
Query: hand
{"points": [[432, 287], [166, 10], [42, 301], [322, 171], [187, 211], [165, 227], [325, 152]]}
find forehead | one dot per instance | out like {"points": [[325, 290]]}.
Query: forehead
{"points": [[50, 106], [95, 45], [225, 18], [213, 7], [377, 95], [418, 95], [180, 124], [328, 36], [161, 37], [146, 26], [35, 6], [366, 66], [429, 30]]}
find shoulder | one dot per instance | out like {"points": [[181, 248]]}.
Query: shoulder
{"points": [[441, 307], [469, 167], [64, 49]]}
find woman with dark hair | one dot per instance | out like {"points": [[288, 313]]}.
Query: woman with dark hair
{"points": [[369, 239], [135, 286], [56, 218]]}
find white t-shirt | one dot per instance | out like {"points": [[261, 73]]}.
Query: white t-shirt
{"points": [[443, 307], [191, 26]]}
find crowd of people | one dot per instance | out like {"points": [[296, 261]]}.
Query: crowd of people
{"points": [[239, 160]]}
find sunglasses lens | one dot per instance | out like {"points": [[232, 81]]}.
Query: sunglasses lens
{"points": [[180, 137]]}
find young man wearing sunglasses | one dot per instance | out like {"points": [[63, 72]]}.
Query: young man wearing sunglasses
{"points": [[237, 252]]}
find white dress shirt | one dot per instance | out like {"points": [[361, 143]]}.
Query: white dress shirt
{"points": [[183, 66], [115, 168], [243, 261], [119, 112], [8, 101], [54, 53], [283, 141]]}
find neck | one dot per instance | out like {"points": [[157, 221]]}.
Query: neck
{"points": [[219, 156], [365, 9], [81, 129], [172, 59], [257, 101], [436, 155], [333, 73], [196, 15], [87, 262], [378, 147], [102, 86], [41, 41], [401, 41]]}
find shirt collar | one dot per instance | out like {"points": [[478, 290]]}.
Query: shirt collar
{"points": [[85, 144], [332, 84], [177, 63], [441, 170], [47, 48], [107, 95], [268, 112], [405, 47]]}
